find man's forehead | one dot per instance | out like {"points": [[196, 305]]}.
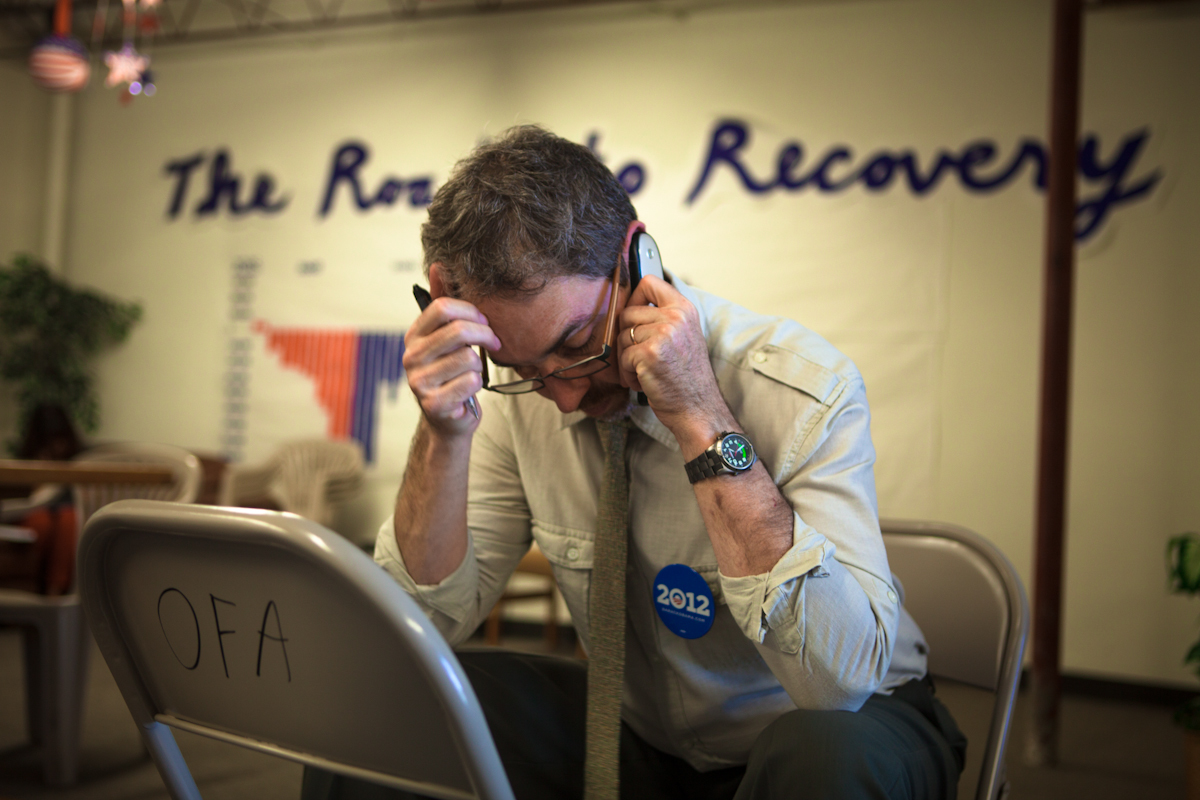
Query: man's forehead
{"points": [[532, 327]]}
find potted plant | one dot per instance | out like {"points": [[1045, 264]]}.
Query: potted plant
{"points": [[1183, 571], [49, 332]]}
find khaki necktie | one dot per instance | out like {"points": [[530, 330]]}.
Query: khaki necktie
{"points": [[606, 620]]}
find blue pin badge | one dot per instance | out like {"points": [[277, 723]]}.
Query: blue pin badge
{"points": [[683, 600]]}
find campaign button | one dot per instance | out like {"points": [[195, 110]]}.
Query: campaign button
{"points": [[683, 601]]}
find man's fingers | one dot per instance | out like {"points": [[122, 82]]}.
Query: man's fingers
{"points": [[454, 336], [448, 400], [427, 377], [662, 350], [654, 290], [444, 310], [442, 367]]}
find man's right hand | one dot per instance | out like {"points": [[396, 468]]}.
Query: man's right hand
{"points": [[443, 370]]}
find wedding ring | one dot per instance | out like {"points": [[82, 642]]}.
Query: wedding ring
{"points": [[631, 330]]}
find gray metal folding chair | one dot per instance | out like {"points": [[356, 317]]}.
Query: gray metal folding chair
{"points": [[971, 606], [268, 631]]}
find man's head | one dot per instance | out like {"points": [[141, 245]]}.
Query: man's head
{"points": [[530, 228], [522, 210]]}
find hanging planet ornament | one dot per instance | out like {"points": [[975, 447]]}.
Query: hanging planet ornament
{"points": [[60, 64]]}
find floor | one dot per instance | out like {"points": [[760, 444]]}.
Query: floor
{"points": [[1109, 750]]}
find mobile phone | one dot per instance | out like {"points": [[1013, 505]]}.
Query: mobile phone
{"points": [[644, 258]]}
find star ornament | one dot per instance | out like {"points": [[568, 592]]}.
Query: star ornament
{"points": [[124, 66]]}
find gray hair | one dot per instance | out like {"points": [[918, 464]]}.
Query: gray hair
{"points": [[522, 210]]}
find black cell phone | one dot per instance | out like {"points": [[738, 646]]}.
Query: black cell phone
{"points": [[644, 258]]}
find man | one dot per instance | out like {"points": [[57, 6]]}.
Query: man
{"points": [[809, 681]]}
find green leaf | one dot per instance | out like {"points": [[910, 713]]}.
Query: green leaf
{"points": [[49, 332], [1183, 563]]}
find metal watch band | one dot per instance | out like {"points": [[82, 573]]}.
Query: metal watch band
{"points": [[706, 465]]}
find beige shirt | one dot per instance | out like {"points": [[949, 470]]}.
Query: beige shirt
{"points": [[822, 630]]}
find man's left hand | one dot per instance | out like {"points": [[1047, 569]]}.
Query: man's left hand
{"points": [[667, 358]]}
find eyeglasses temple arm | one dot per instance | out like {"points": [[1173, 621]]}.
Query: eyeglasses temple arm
{"points": [[610, 324]]}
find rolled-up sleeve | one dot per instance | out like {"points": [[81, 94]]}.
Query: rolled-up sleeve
{"points": [[498, 535], [825, 617], [771, 601], [445, 602]]}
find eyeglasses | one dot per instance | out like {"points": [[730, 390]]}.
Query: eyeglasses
{"points": [[580, 369]]}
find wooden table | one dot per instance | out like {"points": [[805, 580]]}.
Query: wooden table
{"points": [[31, 473]]}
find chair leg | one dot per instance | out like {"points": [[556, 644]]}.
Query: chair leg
{"points": [[491, 629], [62, 649], [552, 620], [164, 751], [31, 648]]}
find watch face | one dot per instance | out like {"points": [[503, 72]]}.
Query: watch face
{"points": [[737, 451]]}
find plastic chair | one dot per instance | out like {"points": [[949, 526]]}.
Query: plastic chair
{"points": [[90, 497], [311, 478], [970, 604], [268, 631], [56, 641]]}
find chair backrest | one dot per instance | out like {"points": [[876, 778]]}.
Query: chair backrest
{"points": [[186, 468], [309, 477], [269, 631], [969, 602], [316, 475]]}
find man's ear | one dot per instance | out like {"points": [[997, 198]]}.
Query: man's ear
{"points": [[633, 227], [437, 283]]}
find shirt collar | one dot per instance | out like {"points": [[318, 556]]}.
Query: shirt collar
{"points": [[642, 416]]}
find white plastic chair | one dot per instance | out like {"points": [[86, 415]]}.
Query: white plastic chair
{"points": [[969, 602], [89, 497], [56, 641], [268, 631], [310, 477]]}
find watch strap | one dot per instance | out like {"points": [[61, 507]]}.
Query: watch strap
{"points": [[706, 465]]}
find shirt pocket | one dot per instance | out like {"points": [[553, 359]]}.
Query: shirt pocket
{"points": [[794, 370], [568, 548], [569, 551]]}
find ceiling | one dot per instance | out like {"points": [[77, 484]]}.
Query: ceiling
{"points": [[99, 23]]}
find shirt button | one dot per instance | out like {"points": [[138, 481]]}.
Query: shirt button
{"points": [[892, 596], [573, 554], [759, 357]]}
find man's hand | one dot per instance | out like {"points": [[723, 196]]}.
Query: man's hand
{"points": [[667, 358], [443, 370]]}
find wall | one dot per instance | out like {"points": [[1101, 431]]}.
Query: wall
{"points": [[22, 178], [936, 295], [1136, 476]]}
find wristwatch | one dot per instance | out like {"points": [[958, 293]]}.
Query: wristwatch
{"points": [[731, 454]]}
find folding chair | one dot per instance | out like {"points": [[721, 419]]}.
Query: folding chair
{"points": [[268, 631], [970, 604]]}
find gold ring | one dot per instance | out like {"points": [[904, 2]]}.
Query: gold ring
{"points": [[631, 330]]}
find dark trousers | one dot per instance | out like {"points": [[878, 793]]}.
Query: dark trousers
{"points": [[903, 746]]}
